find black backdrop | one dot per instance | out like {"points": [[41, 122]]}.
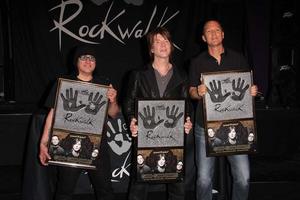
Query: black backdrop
{"points": [[40, 36], [43, 35]]}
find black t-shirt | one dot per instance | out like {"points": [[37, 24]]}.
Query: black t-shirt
{"points": [[204, 62], [50, 101]]}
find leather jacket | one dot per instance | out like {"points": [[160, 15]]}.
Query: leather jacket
{"points": [[143, 84]]}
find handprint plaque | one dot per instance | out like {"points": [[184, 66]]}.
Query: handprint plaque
{"points": [[228, 112], [160, 123], [160, 147], [79, 114], [228, 95]]}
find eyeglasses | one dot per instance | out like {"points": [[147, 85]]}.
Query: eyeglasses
{"points": [[87, 57]]}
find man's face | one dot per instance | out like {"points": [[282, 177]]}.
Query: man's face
{"points": [[86, 64], [250, 137], [232, 133], [210, 132], [140, 159], [162, 161], [213, 34], [95, 153], [54, 140], [161, 47], [179, 165], [77, 146]]}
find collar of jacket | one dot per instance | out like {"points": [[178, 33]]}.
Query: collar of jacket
{"points": [[175, 80]]}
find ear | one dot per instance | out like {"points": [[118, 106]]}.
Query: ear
{"points": [[203, 38]]}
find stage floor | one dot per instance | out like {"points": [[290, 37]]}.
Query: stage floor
{"points": [[258, 191], [270, 180], [275, 170]]}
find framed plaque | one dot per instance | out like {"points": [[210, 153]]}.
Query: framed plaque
{"points": [[79, 116], [160, 146], [229, 113]]}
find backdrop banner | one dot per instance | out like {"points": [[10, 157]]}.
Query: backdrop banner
{"points": [[46, 34]]}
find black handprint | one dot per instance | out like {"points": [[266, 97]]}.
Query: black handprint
{"points": [[215, 92], [149, 119], [172, 116], [70, 101], [239, 88], [94, 104]]}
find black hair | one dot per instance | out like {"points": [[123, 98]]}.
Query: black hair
{"points": [[81, 50]]}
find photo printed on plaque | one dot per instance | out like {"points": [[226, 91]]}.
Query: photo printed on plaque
{"points": [[231, 137], [160, 165], [72, 149], [228, 95], [160, 123]]}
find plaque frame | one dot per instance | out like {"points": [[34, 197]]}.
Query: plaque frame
{"points": [[229, 113], [79, 118], [160, 137]]}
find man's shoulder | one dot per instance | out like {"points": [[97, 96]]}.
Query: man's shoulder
{"points": [[146, 69], [200, 61], [200, 56], [136, 73], [97, 79], [67, 76]]}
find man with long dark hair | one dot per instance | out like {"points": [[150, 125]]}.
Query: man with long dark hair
{"points": [[85, 60], [160, 80]]}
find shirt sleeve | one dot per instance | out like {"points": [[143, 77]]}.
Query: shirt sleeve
{"points": [[129, 101]]}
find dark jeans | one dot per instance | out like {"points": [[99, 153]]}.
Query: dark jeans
{"points": [[67, 180], [99, 178], [139, 191]]}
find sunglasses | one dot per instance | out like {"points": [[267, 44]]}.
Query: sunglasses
{"points": [[87, 57]]}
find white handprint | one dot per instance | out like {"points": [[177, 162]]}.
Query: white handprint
{"points": [[119, 141]]}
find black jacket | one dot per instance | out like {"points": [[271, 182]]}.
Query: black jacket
{"points": [[143, 84]]}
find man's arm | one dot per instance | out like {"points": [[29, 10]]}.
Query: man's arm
{"points": [[44, 154], [254, 90], [113, 107], [131, 95], [194, 93], [197, 93]]}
